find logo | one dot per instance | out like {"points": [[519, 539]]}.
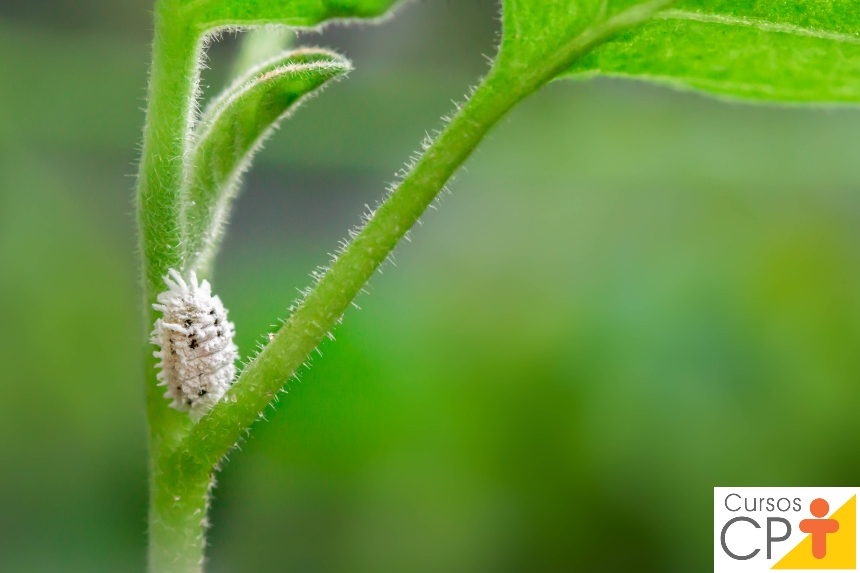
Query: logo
{"points": [[778, 528]]}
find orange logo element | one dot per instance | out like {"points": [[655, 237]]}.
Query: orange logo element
{"points": [[819, 528], [831, 543]]}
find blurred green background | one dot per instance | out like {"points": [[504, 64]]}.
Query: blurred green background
{"points": [[633, 295]]}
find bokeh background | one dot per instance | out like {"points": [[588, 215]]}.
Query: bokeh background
{"points": [[631, 296]]}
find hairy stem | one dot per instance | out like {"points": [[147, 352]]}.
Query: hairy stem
{"points": [[175, 537], [182, 473], [171, 97], [177, 520], [219, 431]]}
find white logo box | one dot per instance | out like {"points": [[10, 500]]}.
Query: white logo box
{"points": [[737, 511]]}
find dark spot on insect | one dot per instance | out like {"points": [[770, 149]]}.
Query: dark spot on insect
{"points": [[220, 332], [188, 323], [193, 344], [212, 312], [217, 321], [202, 392]]}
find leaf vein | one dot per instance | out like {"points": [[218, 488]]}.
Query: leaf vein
{"points": [[763, 25]]}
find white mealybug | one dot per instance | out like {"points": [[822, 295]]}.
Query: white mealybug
{"points": [[196, 339]]}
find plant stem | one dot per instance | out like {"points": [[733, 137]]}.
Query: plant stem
{"points": [[177, 520], [177, 505], [217, 432], [188, 468], [506, 85], [181, 479], [183, 461], [172, 85]]}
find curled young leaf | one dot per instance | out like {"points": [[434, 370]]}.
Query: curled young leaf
{"points": [[233, 129], [767, 50], [182, 29]]}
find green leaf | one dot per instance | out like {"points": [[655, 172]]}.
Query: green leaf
{"points": [[533, 28], [769, 50], [296, 13], [541, 40], [233, 129]]}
